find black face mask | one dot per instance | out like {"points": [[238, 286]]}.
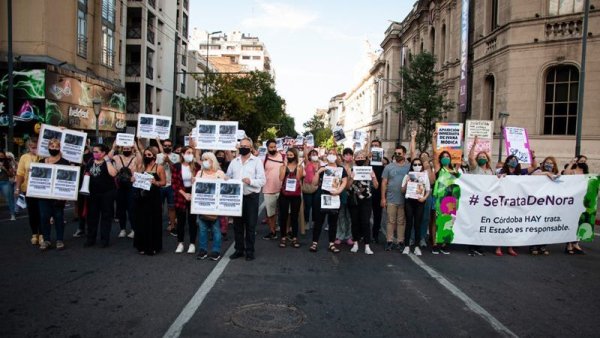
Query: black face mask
{"points": [[291, 159], [360, 163], [167, 150], [148, 160], [244, 151], [127, 153], [53, 152], [220, 159], [272, 152]]}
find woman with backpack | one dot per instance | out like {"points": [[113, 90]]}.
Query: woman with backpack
{"points": [[125, 163], [290, 197]]}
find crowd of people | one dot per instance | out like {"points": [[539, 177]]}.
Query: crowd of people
{"points": [[291, 183]]}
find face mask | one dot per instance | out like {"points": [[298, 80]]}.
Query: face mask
{"points": [[513, 163], [445, 161], [481, 161], [97, 156], [167, 150], [360, 163], [188, 157], [220, 159], [418, 168], [148, 160], [399, 158], [348, 158], [291, 159], [548, 166], [314, 158], [272, 152], [331, 158], [206, 164], [127, 153], [244, 151], [53, 152]]}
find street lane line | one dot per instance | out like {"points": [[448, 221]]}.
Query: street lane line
{"points": [[597, 233], [470, 303], [192, 306]]}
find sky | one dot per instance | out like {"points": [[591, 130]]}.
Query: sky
{"points": [[318, 48]]}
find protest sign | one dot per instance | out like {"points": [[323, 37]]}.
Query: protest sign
{"points": [[279, 142], [299, 141], [125, 140], [516, 142], [153, 126], [332, 177], [417, 184], [72, 142], [142, 181], [240, 134], [186, 141], [484, 130], [330, 202], [338, 134], [53, 181], [449, 138], [359, 136], [216, 135], [362, 173], [309, 140], [377, 156], [217, 197], [515, 210], [262, 152]]}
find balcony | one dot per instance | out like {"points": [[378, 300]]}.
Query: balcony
{"points": [[82, 46], [107, 57], [565, 29], [132, 69], [134, 32], [149, 72], [150, 36]]}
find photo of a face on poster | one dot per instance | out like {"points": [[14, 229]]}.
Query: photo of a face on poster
{"points": [[206, 188], [230, 189]]}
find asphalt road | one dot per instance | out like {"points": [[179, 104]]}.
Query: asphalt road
{"points": [[115, 292]]}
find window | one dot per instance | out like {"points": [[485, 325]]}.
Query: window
{"points": [[560, 103], [107, 57], [184, 29], [256, 58], [490, 92], [245, 57], [108, 11], [82, 28], [561, 7], [442, 57], [493, 14], [258, 48]]}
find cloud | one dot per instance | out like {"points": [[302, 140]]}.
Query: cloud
{"points": [[281, 16]]}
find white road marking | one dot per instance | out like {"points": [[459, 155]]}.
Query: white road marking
{"points": [[470, 303], [596, 233], [192, 306]]}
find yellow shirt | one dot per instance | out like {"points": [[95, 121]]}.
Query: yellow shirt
{"points": [[23, 168]]}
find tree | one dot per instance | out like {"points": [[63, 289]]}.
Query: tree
{"points": [[314, 124], [422, 101], [249, 98], [316, 127]]}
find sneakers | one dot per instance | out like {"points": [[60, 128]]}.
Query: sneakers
{"points": [[406, 250], [270, 236], [214, 256], [13, 218], [122, 233], [78, 233], [354, 248], [60, 245], [179, 248], [173, 232], [444, 251], [417, 251], [191, 249], [34, 240], [389, 246], [368, 250], [423, 243], [202, 254], [131, 234], [45, 245], [435, 250]]}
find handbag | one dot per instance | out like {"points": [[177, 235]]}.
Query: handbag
{"points": [[308, 188]]}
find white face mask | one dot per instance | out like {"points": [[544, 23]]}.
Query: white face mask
{"points": [[331, 158], [417, 168], [206, 164], [188, 157], [314, 158]]}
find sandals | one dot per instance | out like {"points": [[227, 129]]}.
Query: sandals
{"points": [[282, 242], [295, 243], [333, 248], [313, 247]]}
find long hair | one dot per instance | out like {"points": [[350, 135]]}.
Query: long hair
{"points": [[441, 155], [553, 161], [193, 163], [506, 168], [210, 156], [487, 165]]}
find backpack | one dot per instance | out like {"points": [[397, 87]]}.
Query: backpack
{"points": [[124, 174], [291, 175]]}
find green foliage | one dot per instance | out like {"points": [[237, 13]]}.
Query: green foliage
{"points": [[316, 127], [250, 99], [423, 102], [269, 133]]}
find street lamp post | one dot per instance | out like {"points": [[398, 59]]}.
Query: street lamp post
{"points": [[503, 118], [97, 103], [205, 111]]}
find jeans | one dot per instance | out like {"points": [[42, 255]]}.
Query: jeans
{"points": [[414, 217], [168, 194], [285, 203], [344, 230], [308, 202], [203, 237], [361, 220], [426, 216], [125, 207], [54, 209], [33, 210], [7, 188], [245, 226], [100, 211]]}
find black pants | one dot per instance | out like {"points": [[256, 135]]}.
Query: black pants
{"points": [[33, 210], [377, 210], [414, 216], [100, 210], [81, 205], [245, 227], [285, 202], [182, 215], [125, 207], [361, 219], [319, 219]]}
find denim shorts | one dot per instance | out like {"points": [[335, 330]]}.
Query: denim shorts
{"points": [[168, 194]]}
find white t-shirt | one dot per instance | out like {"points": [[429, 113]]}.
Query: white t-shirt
{"points": [[186, 176]]}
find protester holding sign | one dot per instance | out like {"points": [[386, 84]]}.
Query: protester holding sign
{"points": [[33, 209], [166, 158], [377, 165], [548, 168], [181, 181], [125, 163], [147, 205], [417, 189], [311, 165], [332, 181], [290, 175], [272, 163], [344, 226], [51, 208], [360, 204], [102, 195], [479, 163]]}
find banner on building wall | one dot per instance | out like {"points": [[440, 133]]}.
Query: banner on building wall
{"points": [[449, 138], [516, 143], [484, 131], [515, 210], [464, 58]]}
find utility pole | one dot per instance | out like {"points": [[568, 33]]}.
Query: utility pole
{"points": [[11, 123], [174, 106]]}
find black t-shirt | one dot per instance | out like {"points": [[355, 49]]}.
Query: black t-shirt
{"points": [[62, 161], [100, 179], [344, 174], [378, 170]]}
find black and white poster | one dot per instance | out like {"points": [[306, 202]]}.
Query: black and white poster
{"points": [[338, 134], [216, 135], [217, 197], [72, 142], [53, 181], [153, 126], [377, 156]]}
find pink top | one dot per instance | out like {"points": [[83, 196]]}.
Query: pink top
{"points": [[310, 169], [272, 165], [216, 174]]}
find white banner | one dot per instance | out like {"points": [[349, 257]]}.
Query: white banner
{"points": [[216, 135], [142, 181], [53, 181], [152, 126], [217, 197], [125, 140], [515, 210], [362, 173], [72, 142], [484, 130]]}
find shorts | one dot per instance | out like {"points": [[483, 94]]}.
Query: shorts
{"points": [[271, 203], [168, 194]]}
